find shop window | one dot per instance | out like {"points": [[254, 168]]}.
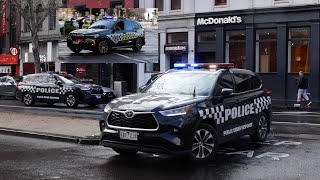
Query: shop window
{"points": [[266, 50], [236, 48], [299, 50], [206, 57], [158, 4], [175, 4], [220, 2], [206, 37], [177, 38]]}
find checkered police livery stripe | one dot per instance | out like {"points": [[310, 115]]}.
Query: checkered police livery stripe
{"points": [[216, 113], [31, 89], [262, 103], [64, 90], [220, 114]]}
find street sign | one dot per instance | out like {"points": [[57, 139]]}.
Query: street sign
{"points": [[14, 51]]}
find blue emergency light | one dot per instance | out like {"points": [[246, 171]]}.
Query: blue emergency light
{"points": [[107, 18], [180, 65], [204, 65]]}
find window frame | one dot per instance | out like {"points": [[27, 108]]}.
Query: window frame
{"points": [[175, 9], [184, 43], [155, 5], [219, 5]]}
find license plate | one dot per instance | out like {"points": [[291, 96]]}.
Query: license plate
{"points": [[98, 96], [75, 42], [129, 135]]}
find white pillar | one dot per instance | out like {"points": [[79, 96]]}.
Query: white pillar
{"points": [[191, 48], [49, 51], [140, 75], [163, 58]]}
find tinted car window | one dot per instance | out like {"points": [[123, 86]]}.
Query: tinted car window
{"points": [[103, 24], [120, 26], [51, 79], [42, 79], [29, 79], [242, 82], [2, 80], [136, 26], [255, 82], [225, 81], [128, 26]]}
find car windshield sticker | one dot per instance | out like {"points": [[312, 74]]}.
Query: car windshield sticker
{"points": [[34, 89], [220, 114]]}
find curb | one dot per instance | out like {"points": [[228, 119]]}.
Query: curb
{"points": [[50, 136]]}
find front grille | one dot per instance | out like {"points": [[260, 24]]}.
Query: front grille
{"points": [[140, 121]]}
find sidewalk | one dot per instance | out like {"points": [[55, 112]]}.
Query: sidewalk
{"points": [[83, 131]]}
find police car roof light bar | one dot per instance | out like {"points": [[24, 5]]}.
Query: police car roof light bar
{"points": [[213, 65], [180, 65]]}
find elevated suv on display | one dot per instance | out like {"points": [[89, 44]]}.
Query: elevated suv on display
{"points": [[189, 111], [104, 35], [52, 88]]}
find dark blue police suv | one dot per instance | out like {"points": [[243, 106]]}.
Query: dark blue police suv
{"points": [[52, 88], [190, 110]]}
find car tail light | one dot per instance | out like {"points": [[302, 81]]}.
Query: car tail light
{"points": [[269, 93]]}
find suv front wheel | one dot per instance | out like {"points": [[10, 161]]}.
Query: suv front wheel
{"points": [[71, 100], [138, 45], [76, 50], [205, 143], [125, 152], [104, 47]]}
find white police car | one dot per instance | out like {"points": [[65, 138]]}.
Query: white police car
{"points": [[190, 111]]}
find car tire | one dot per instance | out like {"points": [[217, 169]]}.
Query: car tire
{"points": [[138, 45], [50, 103], [261, 132], [76, 50], [125, 152], [205, 144], [28, 99], [104, 47], [71, 100]]}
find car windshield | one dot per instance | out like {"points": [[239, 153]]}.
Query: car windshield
{"points": [[183, 83], [103, 24], [65, 80], [73, 79]]}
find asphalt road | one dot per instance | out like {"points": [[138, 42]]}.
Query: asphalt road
{"points": [[281, 158], [148, 54]]}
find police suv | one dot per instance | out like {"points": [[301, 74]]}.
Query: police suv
{"points": [[52, 88], [190, 111], [104, 35]]}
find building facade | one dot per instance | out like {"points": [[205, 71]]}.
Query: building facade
{"points": [[49, 37], [9, 64], [274, 38], [103, 3]]}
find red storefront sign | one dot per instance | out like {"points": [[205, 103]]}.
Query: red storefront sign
{"points": [[4, 24], [8, 60], [81, 70]]}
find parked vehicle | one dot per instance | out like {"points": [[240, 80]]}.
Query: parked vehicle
{"points": [[189, 111], [108, 93], [52, 88], [8, 86], [105, 35]]}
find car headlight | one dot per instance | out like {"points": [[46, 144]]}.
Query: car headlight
{"points": [[85, 88], [177, 111], [107, 108]]}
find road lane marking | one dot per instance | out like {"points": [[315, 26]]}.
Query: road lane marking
{"points": [[290, 123]]}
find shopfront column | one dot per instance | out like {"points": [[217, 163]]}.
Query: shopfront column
{"points": [[250, 48], [164, 61], [282, 64], [191, 45], [315, 58], [220, 47]]}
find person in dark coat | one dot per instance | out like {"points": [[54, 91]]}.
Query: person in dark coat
{"points": [[303, 85]]}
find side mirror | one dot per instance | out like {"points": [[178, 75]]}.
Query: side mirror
{"points": [[141, 88], [226, 91], [59, 83]]}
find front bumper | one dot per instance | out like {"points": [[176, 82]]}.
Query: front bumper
{"points": [[174, 135], [88, 44], [92, 98]]}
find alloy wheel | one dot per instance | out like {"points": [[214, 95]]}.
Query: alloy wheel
{"points": [[203, 144], [27, 99], [71, 100], [103, 47], [263, 126]]}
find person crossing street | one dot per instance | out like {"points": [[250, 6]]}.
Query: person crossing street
{"points": [[303, 85]]}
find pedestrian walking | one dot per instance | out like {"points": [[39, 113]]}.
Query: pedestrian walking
{"points": [[303, 85]]}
